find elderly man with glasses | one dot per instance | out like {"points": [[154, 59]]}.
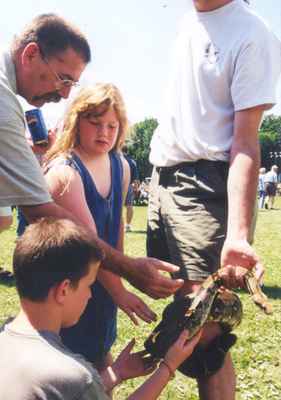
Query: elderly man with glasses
{"points": [[43, 64]]}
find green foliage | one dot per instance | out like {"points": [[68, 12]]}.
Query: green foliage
{"points": [[138, 145], [271, 123], [268, 143], [270, 140]]}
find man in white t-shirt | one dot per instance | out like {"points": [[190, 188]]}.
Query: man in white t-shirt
{"points": [[206, 153], [270, 183]]}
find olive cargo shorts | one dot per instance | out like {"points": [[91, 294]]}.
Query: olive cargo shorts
{"points": [[187, 216]]}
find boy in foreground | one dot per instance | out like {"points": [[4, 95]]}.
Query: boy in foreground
{"points": [[55, 263]]}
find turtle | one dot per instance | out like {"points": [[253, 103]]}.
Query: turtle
{"points": [[211, 302]]}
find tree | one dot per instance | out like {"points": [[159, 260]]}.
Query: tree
{"points": [[271, 123], [270, 140], [139, 145]]}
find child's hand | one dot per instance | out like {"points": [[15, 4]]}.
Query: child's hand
{"points": [[181, 349], [133, 306], [131, 365]]}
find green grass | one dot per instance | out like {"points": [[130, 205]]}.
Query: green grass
{"points": [[257, 353]]}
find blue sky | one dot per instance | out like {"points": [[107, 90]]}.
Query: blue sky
{"points": [[131, 41]]}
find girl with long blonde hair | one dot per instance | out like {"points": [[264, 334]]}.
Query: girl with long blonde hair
{"points": [[87, 175]]}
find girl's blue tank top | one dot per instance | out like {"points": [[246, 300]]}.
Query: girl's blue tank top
{"points": [[96, 330], [105, 211]]}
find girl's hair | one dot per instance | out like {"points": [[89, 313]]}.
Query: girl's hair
{"points": [[93, 101]]}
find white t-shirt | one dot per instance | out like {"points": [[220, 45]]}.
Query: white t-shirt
{"points": [[225, 60], [5, 212], [270, 176]]}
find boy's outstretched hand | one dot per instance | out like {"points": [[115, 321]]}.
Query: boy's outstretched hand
{"points": [[181, 349], [131, 365]]}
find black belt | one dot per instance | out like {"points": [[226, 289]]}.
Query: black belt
{"points": [[198, 163]]}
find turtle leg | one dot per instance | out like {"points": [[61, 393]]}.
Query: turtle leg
{"points": [[259, 298]]}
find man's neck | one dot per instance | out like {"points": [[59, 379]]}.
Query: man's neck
{"points": [[35, 316], [209, 5]]}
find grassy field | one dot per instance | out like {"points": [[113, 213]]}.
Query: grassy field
{"points": [[256, 356]]}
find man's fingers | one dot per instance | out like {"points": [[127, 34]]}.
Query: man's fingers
{"points": [[165, 266], [233, 277], [148, 278], [165, 287], [132, 317], [168, 284], [228, 276], [259, 271], [158, 292]]}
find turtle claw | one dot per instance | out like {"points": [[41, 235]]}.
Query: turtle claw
{"points": [[259, 298]]}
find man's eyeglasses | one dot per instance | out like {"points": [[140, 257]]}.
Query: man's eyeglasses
{"points": [[60, 82]]}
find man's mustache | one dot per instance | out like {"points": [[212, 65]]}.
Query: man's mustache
{"points": [[52, 97]]}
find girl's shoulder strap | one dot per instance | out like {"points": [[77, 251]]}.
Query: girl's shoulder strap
{"points": [[71, 160], [117, 165]]}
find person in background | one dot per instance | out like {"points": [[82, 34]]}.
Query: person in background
{"points": [[206, 154], [87, 175], [134, 181], [6, 220], [270, 182], [261, 188], [34, 362], [42, 65]]}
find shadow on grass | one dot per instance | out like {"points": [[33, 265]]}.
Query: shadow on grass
{"points": [[137, 232], [272, 292], [10, 283], [6, 277]]}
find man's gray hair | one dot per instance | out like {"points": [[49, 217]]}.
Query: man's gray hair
{"points": [[53, 34]]}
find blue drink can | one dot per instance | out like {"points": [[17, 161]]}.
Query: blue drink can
{"points": [[37, 127]]}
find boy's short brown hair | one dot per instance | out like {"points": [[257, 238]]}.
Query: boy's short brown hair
{"points": [[50, 251]]}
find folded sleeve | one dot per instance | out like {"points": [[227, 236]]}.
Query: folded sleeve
{"points": [[256, 72], [21, 179]]}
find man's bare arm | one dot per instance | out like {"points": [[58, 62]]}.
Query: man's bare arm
{"points": [[143, 273], [242, 189]]}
